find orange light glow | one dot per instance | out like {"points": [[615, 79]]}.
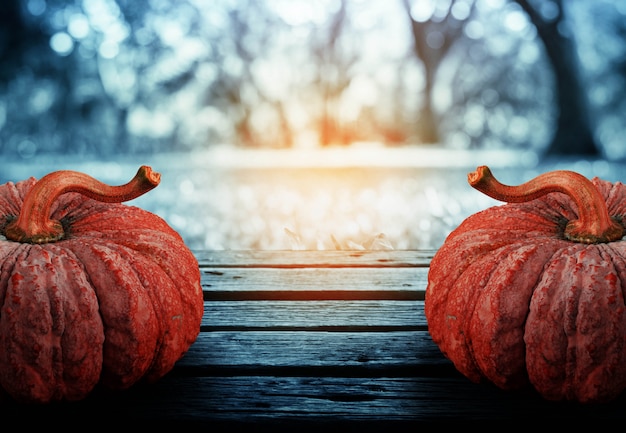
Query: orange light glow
{"points": [[364, 196]]}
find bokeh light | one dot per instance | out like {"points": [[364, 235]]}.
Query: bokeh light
{"points": [[298, 124]]}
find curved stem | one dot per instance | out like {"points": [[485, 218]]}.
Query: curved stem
{"points": [[33, 225], [594, 225]]}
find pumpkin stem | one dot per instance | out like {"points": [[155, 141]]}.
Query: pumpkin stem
{"points": [[594, 225], [33, 225]]}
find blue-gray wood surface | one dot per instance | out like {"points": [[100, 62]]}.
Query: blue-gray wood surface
{"points": [[313, 338]]}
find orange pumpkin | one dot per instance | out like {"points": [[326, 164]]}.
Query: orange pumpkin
{"points": [[92, 291], [531, 293]]}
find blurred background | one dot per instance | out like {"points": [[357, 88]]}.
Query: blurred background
{"points": [[297, 124]]}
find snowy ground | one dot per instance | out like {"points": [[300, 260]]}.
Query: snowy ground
{"points": [[366, 198]]}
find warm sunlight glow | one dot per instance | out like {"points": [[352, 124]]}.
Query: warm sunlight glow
{"points": [[364, 196], [299, 124]]}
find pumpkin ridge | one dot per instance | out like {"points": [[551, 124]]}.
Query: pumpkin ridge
{"points": [[114, 232], [8, 205], [119, 217], [559, 346], [170, 344], [193, 302], [509, 217], [37, 331], [7, 358], [600, 344], [168, 304], [619, 266], [473, 304], [613, 195], [12, 196], [141, 241], [610, 253], [443, 275], [82, 336], [501, 313], [8, 266], [157, 306], [449, 325], [617, 252], [130, 338]]}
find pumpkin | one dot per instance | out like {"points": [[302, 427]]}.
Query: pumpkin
{"points": [[93, 292], [530, 294]]}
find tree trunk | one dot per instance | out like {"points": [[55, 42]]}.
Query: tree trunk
{"points": [[573, 129], [574, 133], [427, 121]]}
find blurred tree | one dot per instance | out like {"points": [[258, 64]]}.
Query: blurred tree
{"points": [[35, 83], [496, 85], [115, 76], [574, 132], [435, 28], [52, 83], [601, 42], [148, 59], [21, 40], [241, 87], [333, 65]]}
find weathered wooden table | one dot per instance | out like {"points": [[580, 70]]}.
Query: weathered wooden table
{"points": [[297, 339]]}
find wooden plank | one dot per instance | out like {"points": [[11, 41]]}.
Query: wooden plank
{"points": [[268, 399], [266, 403], [230, 284], [264, 279], [310, 258], [300, 399], [352, 365], [304, 349], [272, 314]]}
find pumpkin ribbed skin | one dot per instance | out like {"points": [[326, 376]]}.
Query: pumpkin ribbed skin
{"points": [[118, 300], [510, 300]]}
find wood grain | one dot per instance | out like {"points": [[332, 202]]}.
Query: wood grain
{"points": [[297, 340]]}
